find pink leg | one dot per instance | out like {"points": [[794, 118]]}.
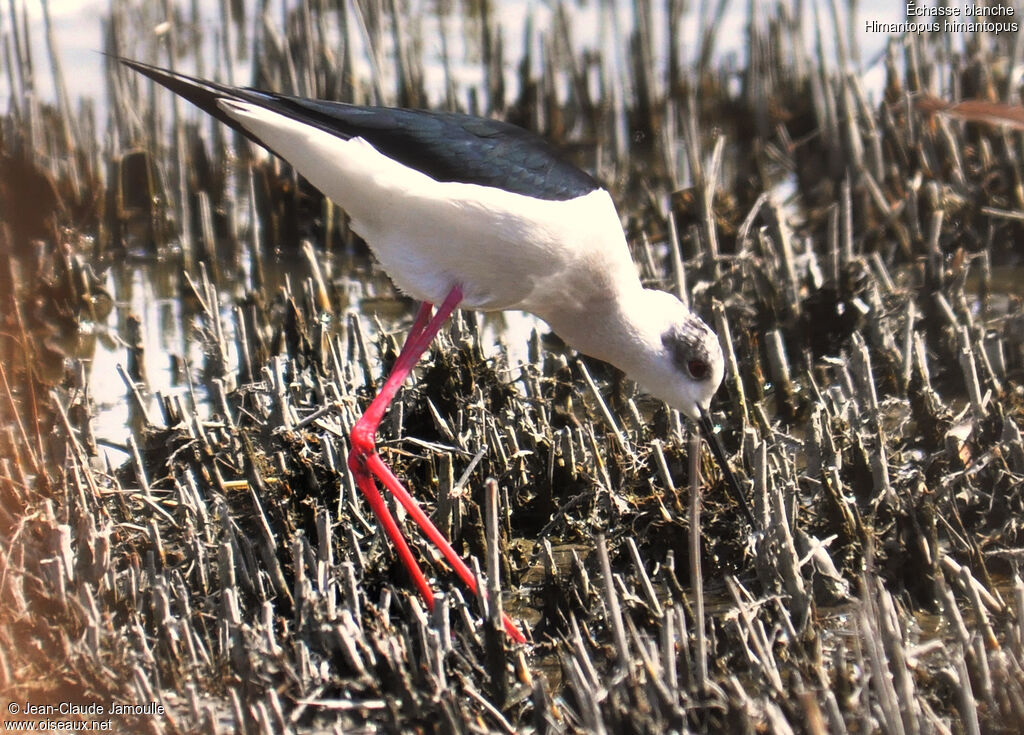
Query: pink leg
{"points": [[366, 464]]}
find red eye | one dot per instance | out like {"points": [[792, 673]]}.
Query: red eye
{"points": [[698, 369]]}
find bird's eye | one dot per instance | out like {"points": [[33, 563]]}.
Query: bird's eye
{"points": [[698, 369]]}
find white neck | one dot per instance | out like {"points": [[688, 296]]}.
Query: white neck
{"points": [[621, 330]]}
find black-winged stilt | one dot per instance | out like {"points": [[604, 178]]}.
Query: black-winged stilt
{"points": [[475, 213]]}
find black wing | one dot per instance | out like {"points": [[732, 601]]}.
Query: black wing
{"points": [[446, 146]]}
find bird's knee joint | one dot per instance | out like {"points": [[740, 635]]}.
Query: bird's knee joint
{"points": [[356, 460], [361, 445]]}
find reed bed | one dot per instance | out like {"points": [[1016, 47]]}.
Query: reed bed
{"points": [[850, 254]]}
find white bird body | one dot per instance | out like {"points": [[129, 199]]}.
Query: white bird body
{"points": [[565, 261], [536, 255]]}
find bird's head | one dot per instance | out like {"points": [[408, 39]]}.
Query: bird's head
{"points": [[653, 338], [680, 360]]}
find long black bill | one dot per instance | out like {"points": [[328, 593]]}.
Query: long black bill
{"points": [[719, 451]]}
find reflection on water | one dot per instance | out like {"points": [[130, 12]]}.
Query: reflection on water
{"points": [[150, 291], [158, 294]]}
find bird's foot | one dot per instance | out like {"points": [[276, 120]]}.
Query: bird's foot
{"points": [[367, 468]]}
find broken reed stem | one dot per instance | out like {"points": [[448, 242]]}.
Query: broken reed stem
{"points": [[611, 599], [696, 575], [493, 552], [605, 411], [495, 631]]}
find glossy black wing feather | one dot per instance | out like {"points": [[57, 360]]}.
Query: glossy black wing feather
{"points": [[453, 147], [448, 147]]}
